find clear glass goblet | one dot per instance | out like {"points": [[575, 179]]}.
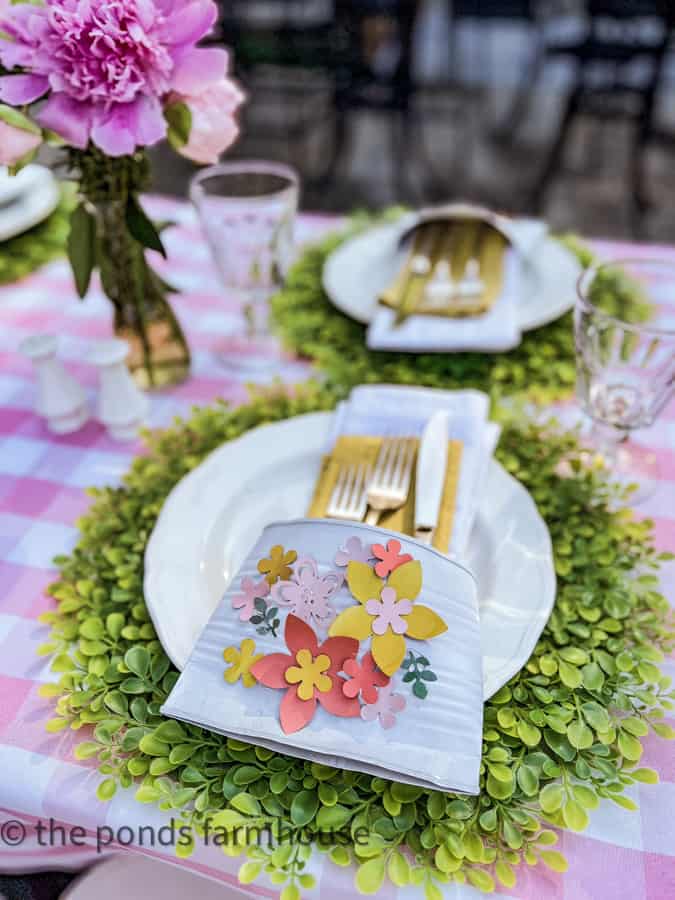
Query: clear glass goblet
{"points": [[247, 211], [624, 325]]}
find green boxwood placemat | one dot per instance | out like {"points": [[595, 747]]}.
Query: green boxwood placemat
{"points": [[542, 366], [23, 254], [564, 733]]}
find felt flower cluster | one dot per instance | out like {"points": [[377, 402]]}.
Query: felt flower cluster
{"points": [[119, 75], [386, 583]]}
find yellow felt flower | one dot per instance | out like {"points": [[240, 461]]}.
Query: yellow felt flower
{"points": [[278, 564], [241, 660], [387, 611], [309, 674]]}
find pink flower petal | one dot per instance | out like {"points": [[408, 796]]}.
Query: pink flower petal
{"points": [[68, 118], [126, 126], [191, 23], [19, 89], [198, 68]]}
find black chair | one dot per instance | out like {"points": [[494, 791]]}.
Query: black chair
{"points": [[340, 57], [618, 70]]}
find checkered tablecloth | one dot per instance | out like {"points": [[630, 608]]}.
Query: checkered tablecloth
{"points": [[623, 856]]}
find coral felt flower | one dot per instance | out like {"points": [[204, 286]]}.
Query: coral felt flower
{"points": [[364, 679], [278, 564], [309, 674], [390, 557], [242, 659], [307, 594], [387, 612], [251, 591]]}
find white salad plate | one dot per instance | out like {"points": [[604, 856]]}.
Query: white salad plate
{"points": [[26, 199], [216, 513], [359, 270]]}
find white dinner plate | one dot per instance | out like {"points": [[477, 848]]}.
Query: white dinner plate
{"points": [[359, 270], [26, 200], [215, 514]]}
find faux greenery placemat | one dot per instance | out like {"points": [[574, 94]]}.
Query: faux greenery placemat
{"points": [[26, 252], [564, 733], [542, 366]]}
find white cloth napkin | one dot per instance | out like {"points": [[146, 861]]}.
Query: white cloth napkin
{"points": [[399, 410], [494, 331]]}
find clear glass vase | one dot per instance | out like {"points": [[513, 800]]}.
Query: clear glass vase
{"points": [[159, 354]]}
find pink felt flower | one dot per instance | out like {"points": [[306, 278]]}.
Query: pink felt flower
{"points": [[252, 591], [364, 679], [307, 594], [390, 557], [388, 611], [353, 551], [106, 68], [385, 708], [309, 675], [15, 143], [214, 124]]}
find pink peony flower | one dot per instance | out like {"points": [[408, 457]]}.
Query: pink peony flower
{"points": [[107, 66], [214, 125], [15, 143]]}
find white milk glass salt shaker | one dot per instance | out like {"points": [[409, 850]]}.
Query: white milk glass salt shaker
{"points": [[122, 407], [61, 400]]}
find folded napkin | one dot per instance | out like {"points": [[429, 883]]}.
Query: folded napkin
{"points": [[385, 410], [495, 330], [355, 449], [456, 242], [328, 682]]}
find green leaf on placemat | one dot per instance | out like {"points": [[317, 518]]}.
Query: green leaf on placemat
{"points": [[82, 247], [564, 734]]}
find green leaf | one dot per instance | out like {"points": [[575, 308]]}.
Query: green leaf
{"points": [[551, 797], [304, 807], [370, 875], [629, 746], [528, 780], [575, 816], [505, 874], [290, 892], [333, 817], [82, 247], [137, 660], [246, 803], [245, 775], [171, 732], [141, 228], [87, 749], [179, 120], [554, 860], [579, 735], [249, 872], [569, 675], [647, 776], [398, 869], [481, 879], [16, 119], [585, 796], [106, 789]]}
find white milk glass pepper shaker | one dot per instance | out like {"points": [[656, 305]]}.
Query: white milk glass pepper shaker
{"points": [[122, 407], [61, 400]]}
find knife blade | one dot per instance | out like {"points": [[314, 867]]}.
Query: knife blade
{"points": [[432, 459]]}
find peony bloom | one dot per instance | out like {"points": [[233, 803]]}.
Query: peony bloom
{"points": [[15, 143], [214, 123], [107, 66]]}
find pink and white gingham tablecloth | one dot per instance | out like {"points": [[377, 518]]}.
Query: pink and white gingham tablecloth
{"points": [[622, 856]]}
